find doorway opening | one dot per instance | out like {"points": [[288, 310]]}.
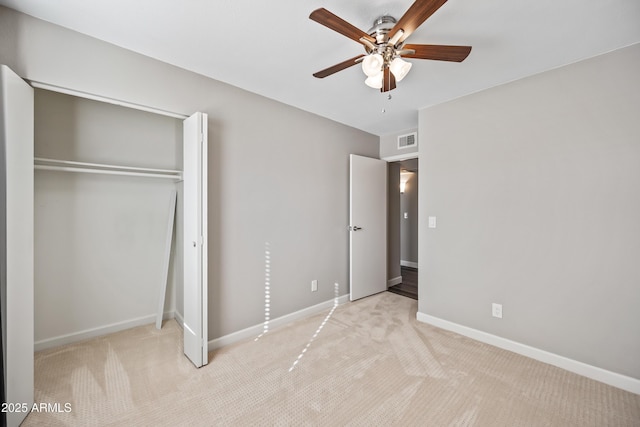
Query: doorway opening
{"points": [[403, 228]]}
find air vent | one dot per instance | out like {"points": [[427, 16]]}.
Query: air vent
{"points": [[408, 140]]}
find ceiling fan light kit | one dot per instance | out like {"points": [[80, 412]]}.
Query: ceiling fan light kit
{"points": [[385, 44], [383, 54]]}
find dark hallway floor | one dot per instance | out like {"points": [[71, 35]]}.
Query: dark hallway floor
{"points": [[409, 285]]}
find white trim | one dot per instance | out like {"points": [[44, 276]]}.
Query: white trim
{"points": [[394, 281], [86, 95], [179, 319], [400, 157], [254, 331], [409, 264], [608, 377], [99, 331]]}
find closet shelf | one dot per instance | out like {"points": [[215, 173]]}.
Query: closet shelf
{"points": [[82, 167]]}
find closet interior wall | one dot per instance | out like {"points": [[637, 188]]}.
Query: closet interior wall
{"points": [[100, 239]]}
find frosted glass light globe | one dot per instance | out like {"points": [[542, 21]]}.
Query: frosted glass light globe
{"points": [[399, 68], [372, 64], [375, 81]]}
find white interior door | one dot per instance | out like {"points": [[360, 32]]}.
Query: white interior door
{"points": [[367, 226], [195, 238], [16, 241]]}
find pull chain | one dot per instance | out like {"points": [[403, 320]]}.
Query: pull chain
{"points": [[384, 110]]}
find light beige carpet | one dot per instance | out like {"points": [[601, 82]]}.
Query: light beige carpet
{"points": [[371, 364]]}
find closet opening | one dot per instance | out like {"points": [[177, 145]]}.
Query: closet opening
{"points": [[109, 219], [403, 227]]}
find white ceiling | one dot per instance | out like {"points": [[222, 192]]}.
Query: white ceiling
{"points": [[272, 48]]}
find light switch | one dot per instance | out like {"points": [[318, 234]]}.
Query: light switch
{"points": [[432, 222], [406, 215]]}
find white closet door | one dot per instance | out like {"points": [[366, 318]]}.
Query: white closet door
{"points": [[16, 240], [195, 238]]}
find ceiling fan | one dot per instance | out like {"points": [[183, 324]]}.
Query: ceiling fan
{"points": [[385, 44]]}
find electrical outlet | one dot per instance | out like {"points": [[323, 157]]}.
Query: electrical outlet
{"points": [[496, 310], [314, 285]]}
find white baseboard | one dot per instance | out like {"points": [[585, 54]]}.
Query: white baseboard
{"points": [[409, 264], [99, 331], [611, 378], [179, 318], [254, 331], [394, 281]]}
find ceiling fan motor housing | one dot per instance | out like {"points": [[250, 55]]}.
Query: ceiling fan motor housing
{"points": [[379, 31], [381, 27]]}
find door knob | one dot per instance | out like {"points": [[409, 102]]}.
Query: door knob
{"points": [[354, 228]]}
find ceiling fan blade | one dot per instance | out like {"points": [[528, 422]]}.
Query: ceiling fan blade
{"points": [[338, 67], [437, 52], [388, 81], [329, 20], [419, 11]]}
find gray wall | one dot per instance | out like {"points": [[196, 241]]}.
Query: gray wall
{"points": [[277, 174], [389, 145], [100, 240], [536, 189], [409, 225]]}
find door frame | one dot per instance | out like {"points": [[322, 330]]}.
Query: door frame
{"points": [[399, 158]]}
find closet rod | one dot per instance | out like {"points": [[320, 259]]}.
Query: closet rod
{"points": [[86, 95], [105, 172], [38, 160]]}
